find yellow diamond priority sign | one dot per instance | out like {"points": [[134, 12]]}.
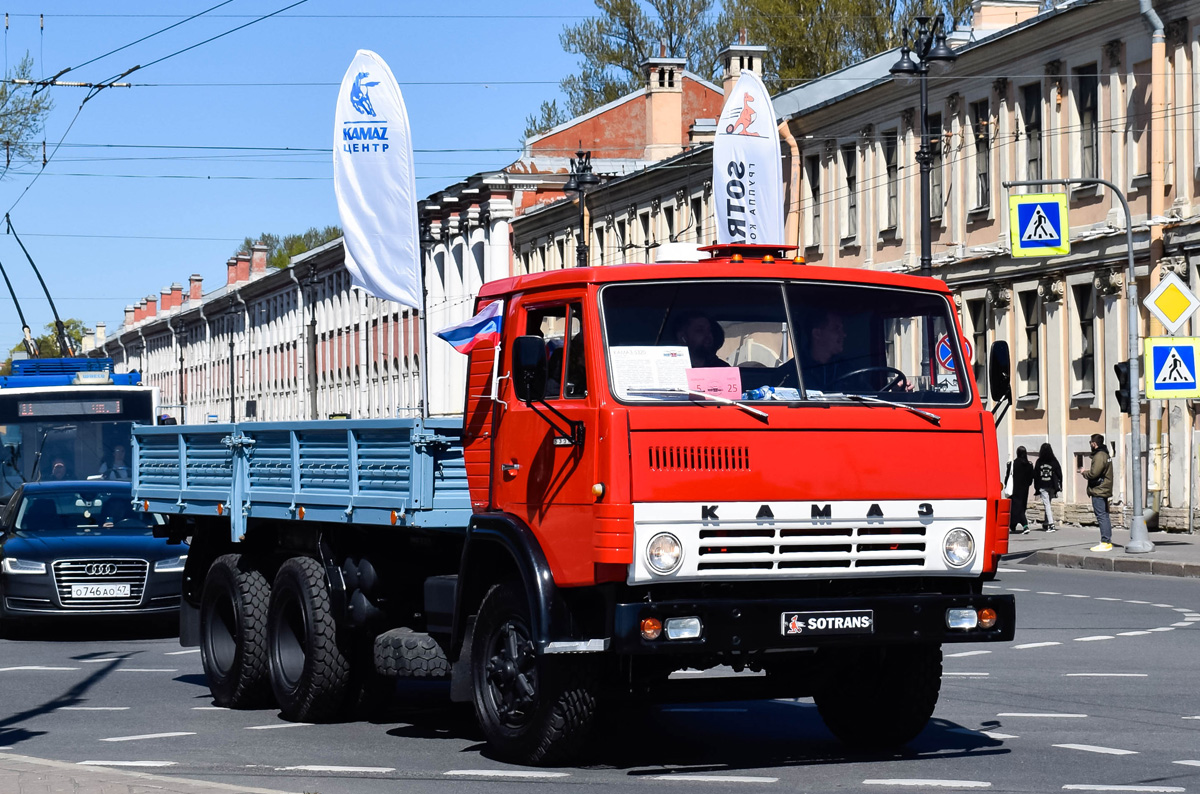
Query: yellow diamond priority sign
{"points": [[1037, 224], [1172, 302]]}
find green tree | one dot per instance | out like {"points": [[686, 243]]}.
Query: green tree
{"points": [[22, 114], [47, 342], [549, 116], [281, 249]]}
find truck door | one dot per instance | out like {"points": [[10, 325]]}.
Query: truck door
{"points": [[536, 474]]}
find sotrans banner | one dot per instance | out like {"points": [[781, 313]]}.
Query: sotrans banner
{"points": [[748, 167], [375, 184]]}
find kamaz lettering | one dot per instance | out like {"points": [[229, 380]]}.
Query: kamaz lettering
{"points": [[364, 134]]}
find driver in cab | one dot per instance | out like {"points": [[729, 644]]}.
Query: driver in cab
{"points": [[820, 363]]}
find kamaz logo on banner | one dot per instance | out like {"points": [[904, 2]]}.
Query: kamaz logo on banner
{"points": [[358, 136]]}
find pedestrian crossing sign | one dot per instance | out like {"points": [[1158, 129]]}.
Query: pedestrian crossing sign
{"points": [[1037, 224], [1171, 367]]}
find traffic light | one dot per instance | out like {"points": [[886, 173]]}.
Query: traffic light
{"points": [[1122, 370]]}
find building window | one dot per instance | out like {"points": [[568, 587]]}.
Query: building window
{"points": [[977, 312], [850, 170], [1086, 104], [644, 222], [1139, 118], [669, 220], [893, 178], [1084, 351], [599, 256], [936, 198], [812, 167], [1031, 108], [698, 218], [1029, 367], [561, 245], [622, 240], [981, 126]]}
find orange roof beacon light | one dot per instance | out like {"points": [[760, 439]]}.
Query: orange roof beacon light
{"points": [[798, 260], [768, 259], [736, 258]]}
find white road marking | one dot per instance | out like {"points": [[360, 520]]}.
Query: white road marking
{"points": [[1106, 598], [1181, 609], [1091, 748], [989, 734], [1075, 595], [991, 587], [1095, 638], [35, 667], [965, 653], [717, 778], [1091, 787], [148, 736], [126, 763], [706, 711], [505, 773], [98, 661], [1132, 633], [1011, 570], [1051, 715], [93, 708], [1192, 718], [688, 672], [1105, 675], [368, 770], [1164, 628], [1048, 592], [1164, 606], [928, 783], [181, 653], [1035, 645], [147, 670], [1136, 602], [279, 725], [969, 674], [1018, 589], [1184, 623], [1187, 763]]}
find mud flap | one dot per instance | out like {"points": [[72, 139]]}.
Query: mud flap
{"points": [[460, 670]]}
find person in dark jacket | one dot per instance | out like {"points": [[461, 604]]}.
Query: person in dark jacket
{"points": [[1047, 481], [1100, 487], [1022, 479]]}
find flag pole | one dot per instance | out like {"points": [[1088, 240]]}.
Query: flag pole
{"points": [[423, 362]]}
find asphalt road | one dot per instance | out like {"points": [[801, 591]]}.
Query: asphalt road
{"points": [[1097, 691]]}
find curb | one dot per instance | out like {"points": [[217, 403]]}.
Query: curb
{"points": [[1118, 564]]}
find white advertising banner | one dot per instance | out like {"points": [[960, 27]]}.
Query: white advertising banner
{"points": [[748, 168], [375, 184]]}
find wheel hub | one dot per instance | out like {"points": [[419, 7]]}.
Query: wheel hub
{"points": [[511, 674]]}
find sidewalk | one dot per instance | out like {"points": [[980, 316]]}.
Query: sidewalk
{"points": [[1175, 553], [21, 774]]}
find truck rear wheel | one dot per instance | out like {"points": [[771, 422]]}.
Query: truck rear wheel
{"points": [[532, 709], [879, 698], [310, 670], [233, 632]]}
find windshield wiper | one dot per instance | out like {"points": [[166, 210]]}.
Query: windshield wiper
{"points": [[864, 398], [715, 398]]}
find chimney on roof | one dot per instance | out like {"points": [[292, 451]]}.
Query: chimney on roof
{"points": [[243, 267], [992, 15], [195, 287], [139, 311], [151, 306], [258, 260], [176, 295], [165, 302], [102, 334], [664, 105], [231, 271], [738, 58], [87, 341], [130, 319]]}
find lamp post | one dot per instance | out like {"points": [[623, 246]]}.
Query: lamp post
{"points": [[929, 46], [581, 180]]}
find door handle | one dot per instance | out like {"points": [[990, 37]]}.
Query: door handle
{"points": [[507, 467]]}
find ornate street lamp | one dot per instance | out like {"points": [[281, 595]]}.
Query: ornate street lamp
{"points": [[582, 179]]}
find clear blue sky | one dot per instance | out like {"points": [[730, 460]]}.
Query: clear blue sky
{"points": [[112, 218]]}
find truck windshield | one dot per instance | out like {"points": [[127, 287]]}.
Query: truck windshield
{"points": [[789, 341]]}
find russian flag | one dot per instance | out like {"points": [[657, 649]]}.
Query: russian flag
{"points": [[483, 328]]}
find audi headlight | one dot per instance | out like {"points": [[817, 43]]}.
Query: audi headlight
{"points": [[959, 547], [171, 564], [13, 565], [664, 552]]}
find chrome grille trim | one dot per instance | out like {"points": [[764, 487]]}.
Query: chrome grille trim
{"points": [[71, 572]]}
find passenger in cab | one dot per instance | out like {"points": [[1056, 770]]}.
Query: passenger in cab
{"points": [[702, 337]]}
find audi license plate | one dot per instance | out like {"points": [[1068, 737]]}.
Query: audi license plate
{"points": [[99, 591], [847, 621]]}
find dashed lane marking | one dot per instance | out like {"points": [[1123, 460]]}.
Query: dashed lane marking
{"points": [[1095, 638], [1040, 714], [148, 736], [1034, 645], [92, 708], [717, 778], [1184, 623], [126, 763], [363, 770], [1018, 589], [181, 653], [1164, 606], [1011, 570], [147, 670], [1187, 763], [975, 675], [989, 734], [1164, 628], [209, 708], [965, 653], [1131, 601], [992, 587], [1181, 609], [1192, 718], [1095, 787], [1091, 748], [1132, 633], [1075, 595], [279, 725], [1106, 675], [36, 667], [1106, 598], [514, 773], [926, 783], [1047, 592]]}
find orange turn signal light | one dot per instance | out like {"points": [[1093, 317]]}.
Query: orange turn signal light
{"points": [[987, 618], [393, 518], [145, 505], [300, 512], [651, 628], [220, 509]]}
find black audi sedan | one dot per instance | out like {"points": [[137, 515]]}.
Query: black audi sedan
{"points": [[79, 548]]}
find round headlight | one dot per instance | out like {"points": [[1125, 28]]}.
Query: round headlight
{"points": [[664, 552], [959, 548]]}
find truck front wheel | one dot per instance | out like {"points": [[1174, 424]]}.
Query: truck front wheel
{"points": [[532, 709], [879, 698], [233, 632], [310, 670]]}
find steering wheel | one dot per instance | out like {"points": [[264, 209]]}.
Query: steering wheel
{"points": [[899, 379]]}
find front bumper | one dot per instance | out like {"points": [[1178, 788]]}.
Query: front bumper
{"points": [[754, 625], [36, 595]]}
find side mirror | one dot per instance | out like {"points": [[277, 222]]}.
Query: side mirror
{"points": [[1000, 372], [529, 367]]}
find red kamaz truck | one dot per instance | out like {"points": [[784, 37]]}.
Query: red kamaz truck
{"points": [[740, 463]]}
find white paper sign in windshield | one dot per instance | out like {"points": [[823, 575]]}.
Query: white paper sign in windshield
{"points": [[375, 184], [649, 372], [748, 167]]}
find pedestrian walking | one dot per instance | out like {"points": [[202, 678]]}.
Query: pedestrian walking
{"points": [[1100, 487], [1022, 480], [1047, 481]]}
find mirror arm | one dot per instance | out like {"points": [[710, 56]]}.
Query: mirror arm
{"points": [[574, 433], [1002, 406]]}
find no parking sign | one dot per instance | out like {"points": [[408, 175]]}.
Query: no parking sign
{"points": [[945, 352]]}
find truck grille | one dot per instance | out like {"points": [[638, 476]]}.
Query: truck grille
{"points": [[75, 572], [816, 548], [706, 458]]}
